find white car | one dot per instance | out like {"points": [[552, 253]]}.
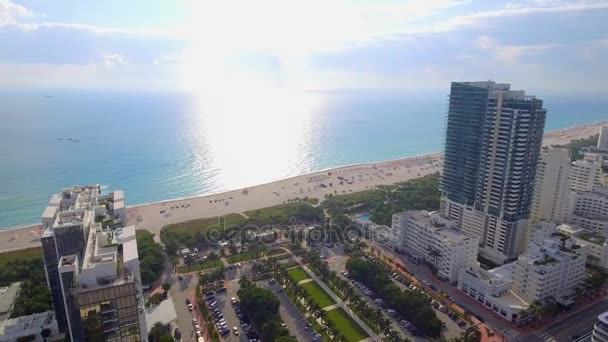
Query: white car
{"points": [[235, 330]]}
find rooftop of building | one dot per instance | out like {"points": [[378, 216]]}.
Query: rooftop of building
{"points": [[603, 317], [592, 237], [488, 85], [109, 243], [498, 276], [105, 256], [8, 295], [443, 228], [25, 325]]}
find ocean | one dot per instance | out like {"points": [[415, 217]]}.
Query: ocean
{"points": [[159, 146]]}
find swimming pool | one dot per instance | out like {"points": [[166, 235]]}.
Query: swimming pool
{"points": [[364, 217]]}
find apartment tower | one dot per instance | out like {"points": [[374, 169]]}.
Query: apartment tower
{"points": [[492, 148], [92, 266]]}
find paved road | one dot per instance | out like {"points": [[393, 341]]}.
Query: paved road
{"points": [[564, 329], [561, 331], [291, 315], [232, 320], [424, 273], [179, 292], [337, 261]]}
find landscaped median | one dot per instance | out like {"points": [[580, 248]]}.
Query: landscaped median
{"points": [[200, 267], [245, 256], [351, 331], [298, 274], [316, 292]]}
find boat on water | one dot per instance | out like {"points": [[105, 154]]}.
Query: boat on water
{"points": [[76, 140], [69, 138], [59, 138]]}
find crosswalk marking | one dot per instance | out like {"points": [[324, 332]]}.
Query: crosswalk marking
{"points": [[546, 336]]}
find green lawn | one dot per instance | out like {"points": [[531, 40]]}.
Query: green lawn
{"points": [[349, 328], [190, 233], [298, 274], [200, 267], [23, 254], [244, 256], [286, 213], [318, 294]]}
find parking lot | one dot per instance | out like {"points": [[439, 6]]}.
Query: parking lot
{"points": [[291, 315]]}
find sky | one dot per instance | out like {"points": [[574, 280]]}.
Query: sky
{"points": [[547, 45]]}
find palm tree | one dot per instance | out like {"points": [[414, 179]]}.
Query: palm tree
{"points": [[434, 253], [158, 330], [536, 309], [329, 326]]}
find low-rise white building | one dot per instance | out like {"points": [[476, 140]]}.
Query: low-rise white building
{"points": [[430, 236], [30, 326], [492, 288], [600, 329], [553, 267], [598, 245]]}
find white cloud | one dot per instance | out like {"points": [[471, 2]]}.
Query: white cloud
{"points": [[485, 42], [511, 11], [10, 12], [113, 59], [509, 54]]}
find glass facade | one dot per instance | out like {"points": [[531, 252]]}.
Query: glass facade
{"points": [[51, 262], [109, 314], [463, 141], [509, 156], [60, 242]]}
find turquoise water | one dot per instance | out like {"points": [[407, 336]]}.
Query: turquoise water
{"points": [[163, 145]]}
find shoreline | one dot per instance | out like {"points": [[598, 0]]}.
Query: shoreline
{"points": [[316, 184]]}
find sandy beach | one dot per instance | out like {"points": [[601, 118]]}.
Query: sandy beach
{"points": [[340, 180]]}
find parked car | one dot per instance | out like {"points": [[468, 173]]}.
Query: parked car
{"points": [[190, 307], [235, 330]]}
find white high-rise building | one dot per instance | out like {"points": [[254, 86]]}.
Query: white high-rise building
{"points": [[92, 266], [553, 267], [492, 147], [589, 210], [602, 142], [550, 200], [428, 235], [585, 174]]}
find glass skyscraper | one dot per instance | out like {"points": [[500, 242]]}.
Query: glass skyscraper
{"points": [[492, 148]]}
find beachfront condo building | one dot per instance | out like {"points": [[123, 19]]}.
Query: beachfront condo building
{"points": [[492, 148], [427, 236], [92, 266], [550, 200]]}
